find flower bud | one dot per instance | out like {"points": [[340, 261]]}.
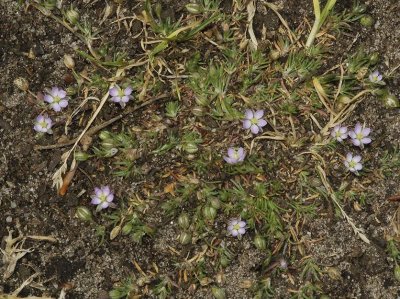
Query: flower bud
{"points": [[259, 242], [127, 228], [397, 272], [367, 21], [108, 143], [224, 260], [191, 148], [198, 111], [21, 83], [69, 61], [275, 55], [81, 156], [115, 294], [374, 58], [185, 238], [359, 8], [202, 101], [209, 212], [218, 293], [183, 220], [72, 16], [83, 213], [391, 101], [105, 135], [215, 203], [194, 8]]}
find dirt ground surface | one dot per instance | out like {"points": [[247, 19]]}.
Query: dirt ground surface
{"points": [[77, 263]]}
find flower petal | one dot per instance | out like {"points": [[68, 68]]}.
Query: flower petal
{"points": [[366, 140], [54, 91], [234, 232], [125, 99], [241, 152], [358, 166], [56, 107], [229, 160], [116, 99], [241, 231], [95, 201], [262, 123], [242, 223], [48, 98], [106, 190], [63, 103], [62, 93], [231, 152], [366, 131], [356, 142], [259, 114], [246, 124], [254, 129], [349, 157], [249, 114], [114, 91], [358, 128], [352, 134], [357, 158], [104, 205], [128, 91]]}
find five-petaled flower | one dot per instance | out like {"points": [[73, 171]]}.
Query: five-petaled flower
{"points": [[339, 133], [43, 124], [375, 77], [359, 135], [121, 96], [57, 98], [253, 121], [102, 197], [353, 163], [236, 227], [235, 155]]}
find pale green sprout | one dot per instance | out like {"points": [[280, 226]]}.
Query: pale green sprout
{"points": [[320, 18]]}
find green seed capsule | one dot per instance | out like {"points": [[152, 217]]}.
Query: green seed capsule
{"points": [[224, 260], [191, 148], [183, 221], [185, 238], [83, 213], [105, 135], [374, 58], [72, 16], [209, 212], [397, 272], [259, 242], [127, 228], [218, 293], [108, 143], [81, 156], [367, 21], [115, 294], [194, 8], [391, 101], [215, 203]]}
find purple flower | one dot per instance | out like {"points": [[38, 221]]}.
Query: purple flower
{"points": [[102, 197], [339, 133], [235, 155], [57, 98], [43, 124], [121, 96], [253, 121], [352, 163], [236, 227], [359, 135], [375, 77]]}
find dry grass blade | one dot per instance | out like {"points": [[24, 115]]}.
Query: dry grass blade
{"points": [[251, 11], [332, 195]]}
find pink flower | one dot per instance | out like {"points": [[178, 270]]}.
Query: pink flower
{"points": [[43, 124], [352, 163], [235, 155], [121, 96], [102, 197], [339, 133], [57, 98], [253, 121], [236, 227], [359, 135]]}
